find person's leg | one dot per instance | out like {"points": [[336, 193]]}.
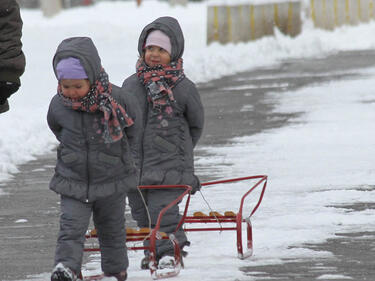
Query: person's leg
{"points": [[109, 220], [74, 221], [137, 207], [157, 200]]}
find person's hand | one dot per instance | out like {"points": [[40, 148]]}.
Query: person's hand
{"points": [[6, 90], [4, 107], [196, 186]]}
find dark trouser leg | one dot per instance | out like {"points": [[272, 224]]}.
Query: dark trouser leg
{"points": [[157, 200], [109, 219], [137, 207], [74, 221]]}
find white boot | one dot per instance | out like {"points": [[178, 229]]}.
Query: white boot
{"points": [[63, 273]]}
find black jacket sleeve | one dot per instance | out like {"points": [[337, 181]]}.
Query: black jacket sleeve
{"points": [[12, 59]]}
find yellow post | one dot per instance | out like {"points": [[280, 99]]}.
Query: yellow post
{"points": [[347, 17], [312, 5], [290, 19], [276, 15], [241, 35], [359, 10], [252, 22], [229, 16], [335, 13], [216, 24]]}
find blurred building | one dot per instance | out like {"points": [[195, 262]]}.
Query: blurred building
{"points": [[33, 4], [28, 3], [64, 3]]}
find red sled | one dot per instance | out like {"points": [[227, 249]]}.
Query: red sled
{"points": [[229, 221]]}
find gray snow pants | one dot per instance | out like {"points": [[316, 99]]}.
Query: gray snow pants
{"points": [[109, 220], [156, 200]]}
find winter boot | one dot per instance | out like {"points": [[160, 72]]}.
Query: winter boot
{"points": [[145, 262], [163, 261], [115, 277], [63, 273], [167, 260]]}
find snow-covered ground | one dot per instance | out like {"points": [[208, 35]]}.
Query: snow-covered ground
{"points": [[325, 158]]}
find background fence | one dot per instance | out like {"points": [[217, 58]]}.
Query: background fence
{"points": [[328, 14], [249, 22], [242, 23]]}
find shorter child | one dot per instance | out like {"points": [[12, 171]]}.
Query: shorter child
{"points": [[94, 167]]}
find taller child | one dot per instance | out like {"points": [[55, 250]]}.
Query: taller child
{"points": [[172, 118], [94, 166]]}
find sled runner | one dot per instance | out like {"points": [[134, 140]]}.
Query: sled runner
{"points": [[228, 221]]}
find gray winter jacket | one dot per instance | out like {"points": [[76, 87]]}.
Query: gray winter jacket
{"points": [[87, 169], [165, 152]]}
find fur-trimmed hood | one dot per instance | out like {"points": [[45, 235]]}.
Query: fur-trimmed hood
{"points": [[169, 26], [83, 49]]}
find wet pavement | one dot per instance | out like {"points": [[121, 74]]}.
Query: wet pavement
{"points": [[29, 210]]}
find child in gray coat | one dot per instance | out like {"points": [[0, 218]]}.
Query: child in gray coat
{"points": [[172, 119], [94, 168]]}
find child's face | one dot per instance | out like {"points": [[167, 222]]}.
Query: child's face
{"points": [[75, 88], [155, 55]]}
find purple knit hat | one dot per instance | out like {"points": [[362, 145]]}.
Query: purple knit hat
{"points": [[160, 39], [70, 68]]}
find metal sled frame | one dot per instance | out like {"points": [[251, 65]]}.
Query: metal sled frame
{"points": [[236, 221], [229, 217], [156, 235]]}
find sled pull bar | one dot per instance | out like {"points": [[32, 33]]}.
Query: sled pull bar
{"points": [[263, 178], [235, 179]]}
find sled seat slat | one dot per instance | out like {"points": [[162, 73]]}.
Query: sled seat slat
{"points": [[199, 214], [212, 215], [229, 214], [215, 214], [131, 233]]}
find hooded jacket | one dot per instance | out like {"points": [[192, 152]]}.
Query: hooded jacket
{"points": [[88, 169], [165, 152], [12, 59]]}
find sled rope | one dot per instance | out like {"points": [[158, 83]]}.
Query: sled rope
{"points": [[148, 214], [211, 210]]}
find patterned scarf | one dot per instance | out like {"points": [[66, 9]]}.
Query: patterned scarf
{"points": [[115, 118], [159, 81]]}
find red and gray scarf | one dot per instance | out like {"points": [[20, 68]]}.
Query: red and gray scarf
{"points": [[115, 118], [159, 81]]}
